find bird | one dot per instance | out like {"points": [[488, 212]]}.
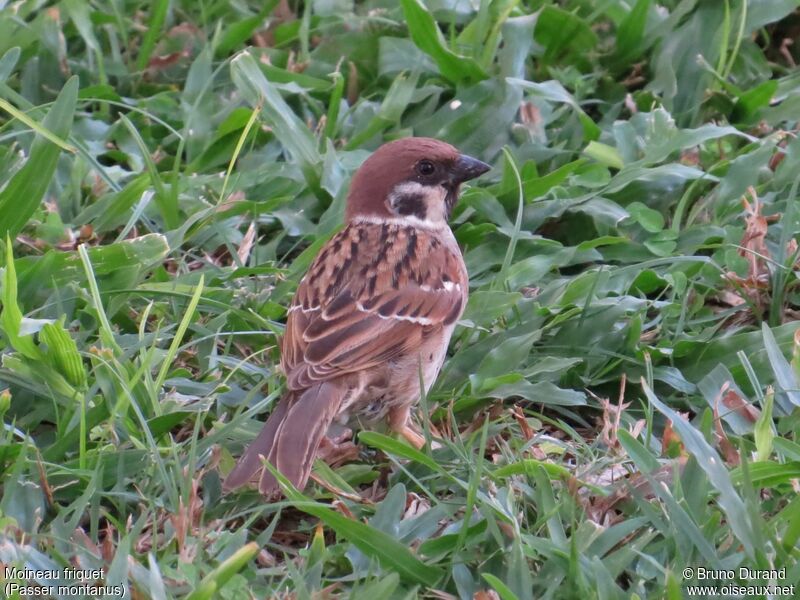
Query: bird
{"points": [[372, 318]]}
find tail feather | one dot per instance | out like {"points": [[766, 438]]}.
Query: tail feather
{"points": [[299, 435], [290, 438], [250, 462]]}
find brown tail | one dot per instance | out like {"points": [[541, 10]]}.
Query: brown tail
{"points": [[290, 438]]}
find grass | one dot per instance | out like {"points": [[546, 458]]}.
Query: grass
{"points": [[619, 409]]}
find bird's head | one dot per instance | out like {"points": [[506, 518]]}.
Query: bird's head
{"points": [[412, 179]]}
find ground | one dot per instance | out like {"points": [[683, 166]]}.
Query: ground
{"points": [[618, 413]]}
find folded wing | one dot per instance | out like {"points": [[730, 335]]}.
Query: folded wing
{"points": [[373, 294]]}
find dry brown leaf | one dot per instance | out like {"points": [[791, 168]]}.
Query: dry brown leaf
{"points": [[637, 484], [729, 452], [754, 287], [735, 403], [519, 416], [612, 416], [244, 249], [669, 439]]}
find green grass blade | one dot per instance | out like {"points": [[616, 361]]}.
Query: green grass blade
{"points": [[23, 194], [426, 35], [390, 553]]}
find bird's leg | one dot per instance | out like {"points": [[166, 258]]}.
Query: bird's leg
{"points": [[339, 449], [398, 421]]}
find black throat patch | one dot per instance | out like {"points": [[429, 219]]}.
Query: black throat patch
{"points": [[411, 204]]}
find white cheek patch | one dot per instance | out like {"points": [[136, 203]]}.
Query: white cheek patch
{"points": [[413, 200], [407, 188], [403, 221]]}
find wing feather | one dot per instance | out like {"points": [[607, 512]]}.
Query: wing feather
{"points": [[373, 293]]}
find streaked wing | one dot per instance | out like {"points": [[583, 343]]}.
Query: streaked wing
{"points": [[373, 293]]}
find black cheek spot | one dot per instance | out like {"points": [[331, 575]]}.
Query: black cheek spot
{"points": [[412, 205]]}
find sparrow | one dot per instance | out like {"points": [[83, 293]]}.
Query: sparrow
{"points": [[375, 311]]}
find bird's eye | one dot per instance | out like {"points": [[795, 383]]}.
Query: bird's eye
{"points": [[426, 168]]}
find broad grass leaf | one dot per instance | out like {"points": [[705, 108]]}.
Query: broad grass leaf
{"points": [[55, 268], [750, 103], [11, 316], [79, 14], [394, 104], [426, 35], [23, 194], [710, 387], [679, 79], [448, 542], [485, 305], [518, 572], [768, 474], [554, 91], [604, 154], [8, 62], [62, 352], [528, 466], [540, 392], [501, 588], [710, 461], [743, 172], [506, 356], [630, 34], [563, 33], [787, 449], [396, 55], [157, 16], [381, 588], [390, 553], [696, 358], [390, 510], [644, 459], [763, 12], [398, 448], [22, 501], [517, 44], [290, 130], [234, 35], [788, 389], [113, 210], [211, 583]]}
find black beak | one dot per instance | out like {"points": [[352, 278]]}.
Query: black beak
{"points": [[466, 168]]}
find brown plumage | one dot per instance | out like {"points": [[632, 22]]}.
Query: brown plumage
{"points": [[377, 307]]}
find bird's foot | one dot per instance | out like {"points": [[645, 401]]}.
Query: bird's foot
{"points": [[416, 439], [338, 450]]}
